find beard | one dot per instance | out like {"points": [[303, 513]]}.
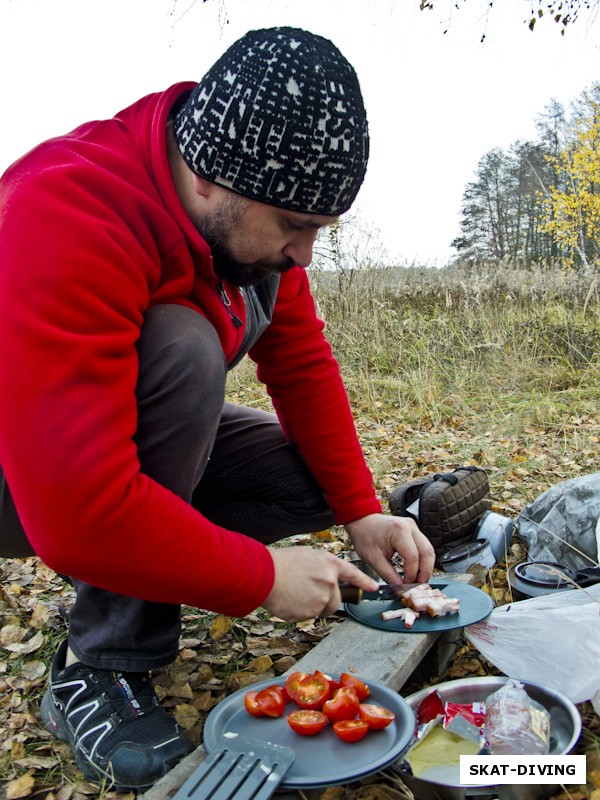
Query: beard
{"points": [[216, 230]]}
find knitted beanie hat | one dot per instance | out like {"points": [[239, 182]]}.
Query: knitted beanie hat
{"points": [[279, 119]]}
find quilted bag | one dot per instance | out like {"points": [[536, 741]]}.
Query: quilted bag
{"points": [[447, 507]]}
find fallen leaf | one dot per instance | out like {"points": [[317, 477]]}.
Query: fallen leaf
{"points": [[29, 646], [37, 762], [20, 787], [239, 680], [220, 627], [203, 701], [33, 670], [261, 664], [186, 715], [324, 536], [40, 616], [10, 634], [180, 690]]}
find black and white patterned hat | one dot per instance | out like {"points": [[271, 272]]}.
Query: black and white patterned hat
{"points": [[279, 119]]}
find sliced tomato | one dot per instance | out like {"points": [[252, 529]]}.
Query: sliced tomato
{"points": [[270, 702], [292, 681], [343, 705], [282, 691], [350, 730], [376, 717], [251, 705], [312, 692], [333, 684], [362, 690], [307, 722]]}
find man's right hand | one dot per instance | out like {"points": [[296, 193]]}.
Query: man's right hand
{"points": [[307, 583]]}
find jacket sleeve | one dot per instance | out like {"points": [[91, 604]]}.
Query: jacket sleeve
{"points": [[296, 363], [74, 284]]}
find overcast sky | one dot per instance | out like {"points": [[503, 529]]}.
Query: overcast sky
{"points": [[436, 101]]}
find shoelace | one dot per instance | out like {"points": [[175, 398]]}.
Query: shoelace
{"points": [[130, 693]]}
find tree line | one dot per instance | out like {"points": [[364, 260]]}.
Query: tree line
{"points": [[539, 201]]}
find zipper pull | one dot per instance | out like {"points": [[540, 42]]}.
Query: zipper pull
{"points": [[227, 303]]}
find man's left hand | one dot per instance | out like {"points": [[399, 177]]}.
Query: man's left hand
{"points": [[378, 537]]}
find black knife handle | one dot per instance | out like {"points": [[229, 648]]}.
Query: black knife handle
{"points": [[350, 594]]}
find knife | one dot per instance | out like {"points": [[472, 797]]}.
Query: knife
{"points": [[386, 591]]}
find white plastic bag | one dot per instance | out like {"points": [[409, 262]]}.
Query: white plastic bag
{"points": [[552, 640]]}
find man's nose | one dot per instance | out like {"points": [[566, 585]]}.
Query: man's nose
{"points": [[301, 249]]}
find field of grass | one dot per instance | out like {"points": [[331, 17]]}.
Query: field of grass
{"points": [[493, 366], [497, 367]]}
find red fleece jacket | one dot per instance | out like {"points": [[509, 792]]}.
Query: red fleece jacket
{"points": [[92, 233]]}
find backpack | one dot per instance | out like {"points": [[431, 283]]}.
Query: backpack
{"points": [[446, 507]]}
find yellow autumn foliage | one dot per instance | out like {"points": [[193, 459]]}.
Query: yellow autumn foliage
{"points": [[572, 210]]}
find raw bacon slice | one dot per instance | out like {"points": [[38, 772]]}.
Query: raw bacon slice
{"points": [[423, 598], [433, 601], [419, 601], [420, 589], [440, 606], [407, 615]]}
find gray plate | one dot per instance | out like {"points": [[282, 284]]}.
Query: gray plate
{"points": [[321, 760], [475, 605]]}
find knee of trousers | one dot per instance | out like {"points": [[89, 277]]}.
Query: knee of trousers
{"points": [[179, 350]]}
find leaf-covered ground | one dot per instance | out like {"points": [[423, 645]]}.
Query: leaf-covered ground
{"points": [[219, 655]]}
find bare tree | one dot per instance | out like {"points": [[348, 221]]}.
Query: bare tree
{"points": [[562, 12]]}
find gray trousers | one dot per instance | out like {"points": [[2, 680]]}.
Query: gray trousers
{"points": [[231, 463]]}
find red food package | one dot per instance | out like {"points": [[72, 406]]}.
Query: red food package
{"points": [[466, 720], [430, 708]]}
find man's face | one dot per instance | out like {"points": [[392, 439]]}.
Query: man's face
{"points": [[251, 240]]}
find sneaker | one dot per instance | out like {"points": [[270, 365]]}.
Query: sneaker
{"points": [[114, 723]]}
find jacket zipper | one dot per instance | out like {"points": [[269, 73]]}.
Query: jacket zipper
{"points": [[227, 303]]}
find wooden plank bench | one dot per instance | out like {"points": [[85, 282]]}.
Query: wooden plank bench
{"points": [[373, 654]]}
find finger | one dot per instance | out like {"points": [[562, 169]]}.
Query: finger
{"points": [[419, 558], [426, 558], [386, 570], [348, 572]]}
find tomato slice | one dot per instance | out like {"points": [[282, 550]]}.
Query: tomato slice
{"points": [[333, 684], [307, 722], [343, 705], [270, 702], [362, 690], [312, 691], [292, 681], [376, 717], [350, 730], [251, 705], [282, 692]]}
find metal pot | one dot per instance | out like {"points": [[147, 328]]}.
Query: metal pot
{"points": [[565, 728], [464, 556], [498, 531]]}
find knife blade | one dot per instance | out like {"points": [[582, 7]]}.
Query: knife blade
{"points": [[386, 591]]}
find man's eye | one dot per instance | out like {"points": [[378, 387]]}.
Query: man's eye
{"points": [[293, 226]]}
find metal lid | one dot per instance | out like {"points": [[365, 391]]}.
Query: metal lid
{"points": [[545, 574], [464, 551]]}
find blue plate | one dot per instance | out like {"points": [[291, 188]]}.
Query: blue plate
{"points": [[475, 605], [321, 760]]}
